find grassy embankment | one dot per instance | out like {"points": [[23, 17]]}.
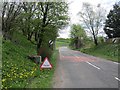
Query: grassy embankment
{"points": [[104, 50], [0, 60], [20, 72]]}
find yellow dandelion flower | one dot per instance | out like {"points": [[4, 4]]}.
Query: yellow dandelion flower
{"points": [[20, 76], [32, 72], [3, 80]]}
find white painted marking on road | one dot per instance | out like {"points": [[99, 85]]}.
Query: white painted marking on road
{"points": [[115, 62], [117, 78], [60, 54], [92, 65]]}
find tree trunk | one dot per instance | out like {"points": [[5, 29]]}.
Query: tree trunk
{"points": [[39, 42], [95, 40], [79, 43], [4, 35], [76, 42], [30, 36], [36, 36], [24, 32], [38, 48]]}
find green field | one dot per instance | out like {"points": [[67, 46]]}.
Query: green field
{"points": [[62, 42], [104, 50], [20, 72]]}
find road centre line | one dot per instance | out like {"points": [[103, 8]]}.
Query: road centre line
{"points": [[117, 78], [92, 65], [115, 62]]}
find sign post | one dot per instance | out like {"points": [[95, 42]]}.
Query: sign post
{"points": [[46, 64]]}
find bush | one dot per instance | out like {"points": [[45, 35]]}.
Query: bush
{"points": [[45, 52]]}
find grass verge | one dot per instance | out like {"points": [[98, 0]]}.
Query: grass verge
{"points": [[107, 51], [44, 79]]}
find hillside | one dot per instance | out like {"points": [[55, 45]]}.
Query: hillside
{"points": [[17, 70]]}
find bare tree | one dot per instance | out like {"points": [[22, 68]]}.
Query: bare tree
{"points": [[92, 18], [10, 11]]}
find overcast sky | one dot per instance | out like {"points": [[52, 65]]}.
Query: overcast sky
{"points": [[76, 5]]}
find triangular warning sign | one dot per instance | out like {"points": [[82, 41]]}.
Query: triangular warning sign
{"points": [[46, 64]]}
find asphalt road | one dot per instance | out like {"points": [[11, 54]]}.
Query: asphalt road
{"points": [[78, 70]]}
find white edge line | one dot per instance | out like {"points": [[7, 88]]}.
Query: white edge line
{"points": [[115, 62], [117, 78], [92, 65], [60, 54]]}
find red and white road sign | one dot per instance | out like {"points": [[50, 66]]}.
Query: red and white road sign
{"points": [[46, 64]]}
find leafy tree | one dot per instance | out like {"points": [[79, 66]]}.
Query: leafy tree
{"points": [[42, 18], [39, 21], [92, 19], [77, 35], [52, 14], [112, 24]]}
